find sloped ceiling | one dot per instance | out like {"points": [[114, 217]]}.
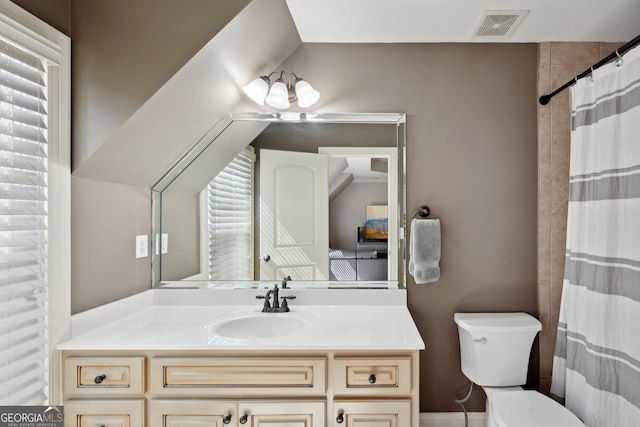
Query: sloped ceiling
{"points": [[181, 112]]}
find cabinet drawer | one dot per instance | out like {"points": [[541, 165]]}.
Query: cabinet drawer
{"points": [[85, 376], [377, 413], [228, 376], [107, 413], [372, 376]]}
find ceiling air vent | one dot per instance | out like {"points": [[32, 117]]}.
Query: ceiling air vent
{"points": [[499, 24]]}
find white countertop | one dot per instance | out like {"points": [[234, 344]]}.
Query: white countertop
{"points": [[188, 319]]}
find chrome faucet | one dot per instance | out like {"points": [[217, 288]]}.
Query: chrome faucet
{"points": [[276, 308]]}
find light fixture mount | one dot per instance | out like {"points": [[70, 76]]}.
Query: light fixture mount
{"points": [[284, 91]]}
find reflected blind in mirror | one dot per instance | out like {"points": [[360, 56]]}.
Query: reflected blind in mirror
{"points": [[23, 227], [230, 212]]}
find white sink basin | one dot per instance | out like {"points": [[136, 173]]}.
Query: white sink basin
{"points": [[255, 325]]}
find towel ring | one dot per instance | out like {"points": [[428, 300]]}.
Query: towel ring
{"points": [[423, 212]]}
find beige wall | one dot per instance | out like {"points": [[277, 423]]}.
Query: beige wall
{"points": [[472, 158], [56, 13], [347, 212], [558, 63], [105, 218]]}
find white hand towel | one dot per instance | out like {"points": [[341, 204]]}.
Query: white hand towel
{"points": [[424, 251]]}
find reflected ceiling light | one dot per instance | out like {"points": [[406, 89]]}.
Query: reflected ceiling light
{"points": [[283, 92]]}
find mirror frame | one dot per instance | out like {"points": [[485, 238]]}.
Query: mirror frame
{"points": [[399, 119]]}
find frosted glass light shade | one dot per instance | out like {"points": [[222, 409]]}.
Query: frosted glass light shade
{"points": [[257, 90], [306, 94], [278, 96]]}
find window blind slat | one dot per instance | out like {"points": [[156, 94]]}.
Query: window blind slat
{"points": [[21, 56], [21, 115], [22, 316], [229, 220], [26, 391], [22, 207], [23, 226], [25, 177], [22, 100]]}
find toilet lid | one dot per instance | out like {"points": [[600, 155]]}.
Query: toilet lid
{"points": [[531, 409]]}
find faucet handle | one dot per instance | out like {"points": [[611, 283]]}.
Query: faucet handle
{"points": [[285, 306], [266, 298]]}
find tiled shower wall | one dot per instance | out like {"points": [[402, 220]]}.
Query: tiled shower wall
{"points": [[557, 63]]}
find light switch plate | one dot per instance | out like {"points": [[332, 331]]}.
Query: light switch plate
{"points": [[142, 246]]}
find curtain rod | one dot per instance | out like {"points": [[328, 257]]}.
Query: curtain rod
{"points": [[544, 99]]}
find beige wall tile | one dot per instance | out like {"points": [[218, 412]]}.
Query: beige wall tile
{"points": [[547, 345], [544, 302], [544, 120], [544, 53], [560, 138], [559, 221], [562, 73], [544, 148], [558, 199], [544, 258], [556, 297], [544, 79], [560, 103], [560, 176], [545, 385], [607, 48], [574, 53], [558, 251]]}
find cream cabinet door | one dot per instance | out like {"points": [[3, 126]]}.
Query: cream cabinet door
{"points": [[107, 413], [372, 413], [282, 413], [192, 413]]}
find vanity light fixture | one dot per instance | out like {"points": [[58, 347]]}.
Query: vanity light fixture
{"points": [[284, 91]]}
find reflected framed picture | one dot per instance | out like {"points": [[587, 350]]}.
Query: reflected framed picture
{"points": [[377, 223]]}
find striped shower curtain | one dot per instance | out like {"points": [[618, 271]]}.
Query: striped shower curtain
{"points": [[596, 367]]}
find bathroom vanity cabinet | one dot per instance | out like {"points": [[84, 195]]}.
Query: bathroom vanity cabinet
{"points": [[190, 358], [212, 388]]}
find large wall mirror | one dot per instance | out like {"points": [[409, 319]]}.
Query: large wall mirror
{"points": [[319, 199]]}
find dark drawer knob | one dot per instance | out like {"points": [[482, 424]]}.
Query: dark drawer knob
{"points": [[372, 379], [340, 418], [226, 419], [99, 379], [243, 419]]}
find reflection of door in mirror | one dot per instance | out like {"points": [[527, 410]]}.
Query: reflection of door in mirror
{"points": [[294, 220]]}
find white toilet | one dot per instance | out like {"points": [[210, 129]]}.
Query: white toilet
{"points": [[494, 353]]}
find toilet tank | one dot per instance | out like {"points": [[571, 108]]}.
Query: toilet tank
{"points": [[495, 347]]}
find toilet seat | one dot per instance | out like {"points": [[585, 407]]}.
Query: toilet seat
{"points": [[530, 409]]}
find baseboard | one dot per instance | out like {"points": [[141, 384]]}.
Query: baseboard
{"points": [[451, 419]]}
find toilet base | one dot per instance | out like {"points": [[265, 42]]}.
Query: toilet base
{"points": [[490, 392], [515, 407]]}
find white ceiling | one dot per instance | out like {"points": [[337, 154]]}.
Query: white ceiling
{"points": [[398, 21]]}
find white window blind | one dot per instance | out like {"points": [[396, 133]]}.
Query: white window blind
{"points": [[23, 227], [230, 212]]}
